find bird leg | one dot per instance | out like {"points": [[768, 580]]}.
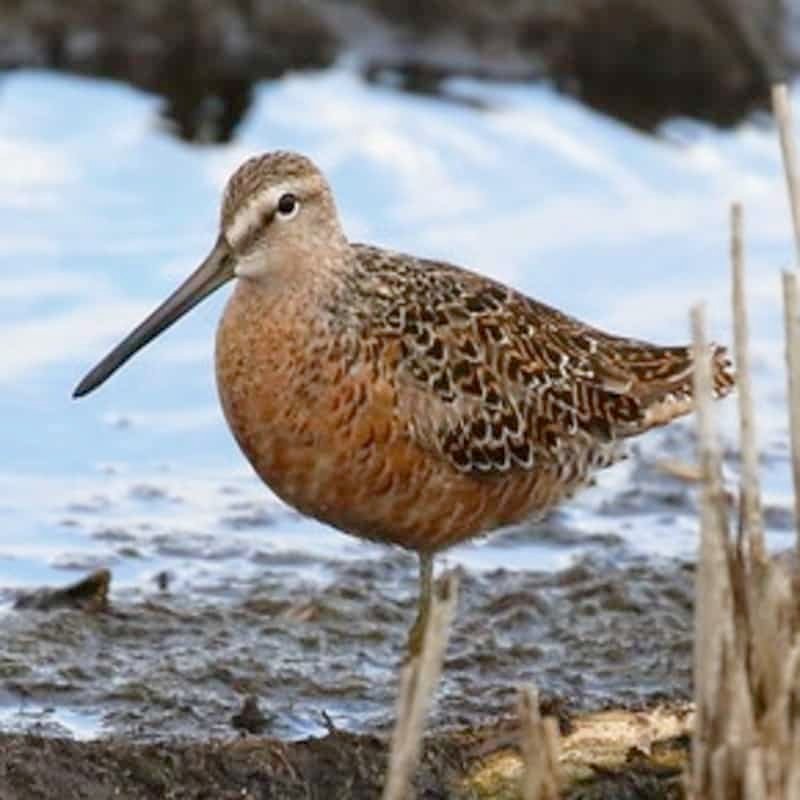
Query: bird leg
{"points": [[416, 636]]}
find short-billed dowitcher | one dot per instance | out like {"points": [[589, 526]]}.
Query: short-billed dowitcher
{"points": [[399, 399]]}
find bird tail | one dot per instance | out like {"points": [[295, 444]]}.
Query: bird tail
{"points": [[674, 397]]}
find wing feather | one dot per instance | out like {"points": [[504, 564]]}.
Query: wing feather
{"points": [[494, 381]]}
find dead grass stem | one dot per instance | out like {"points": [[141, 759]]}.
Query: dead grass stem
{"points": [[418, 682]]}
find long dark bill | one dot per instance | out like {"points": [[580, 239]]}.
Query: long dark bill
{"points": [[215, 271]]}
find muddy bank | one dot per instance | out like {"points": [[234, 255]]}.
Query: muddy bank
{"points": [[624, 754], [639, 60]]}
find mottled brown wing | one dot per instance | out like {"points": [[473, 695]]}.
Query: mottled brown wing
{"points": [[494, 381]]}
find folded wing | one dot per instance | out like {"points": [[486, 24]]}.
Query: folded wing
{"points": [[494, 381]]}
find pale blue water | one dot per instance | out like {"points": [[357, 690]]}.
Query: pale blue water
{"points": [[102, 213], [49, 720]]}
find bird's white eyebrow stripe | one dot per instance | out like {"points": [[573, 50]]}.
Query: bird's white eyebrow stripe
{"points": [[248, 216]]}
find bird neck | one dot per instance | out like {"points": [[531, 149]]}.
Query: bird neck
{"points": [[299, 282]]}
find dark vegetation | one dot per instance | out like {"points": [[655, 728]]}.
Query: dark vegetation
{"points": [[642, 61]]}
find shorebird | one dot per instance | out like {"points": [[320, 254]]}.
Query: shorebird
{"points": [[400, 399]]}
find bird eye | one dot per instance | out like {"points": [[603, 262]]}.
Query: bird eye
{"points": [[287, 206]]}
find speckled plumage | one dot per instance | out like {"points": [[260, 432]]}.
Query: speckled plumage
{"points": [[417, 403]]}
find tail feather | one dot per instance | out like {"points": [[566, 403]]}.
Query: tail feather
{"points": [[723, 376], [674, 399]]}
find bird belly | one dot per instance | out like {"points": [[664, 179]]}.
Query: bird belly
{"points": [[323, 433], [322, 437]]}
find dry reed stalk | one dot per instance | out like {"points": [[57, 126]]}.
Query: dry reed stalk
{"points": [[791, 319], [751, 573], [750, 519], [418, 682], [540, 777], [747, 646], [714, 633], [782, 109], [746, 743]]}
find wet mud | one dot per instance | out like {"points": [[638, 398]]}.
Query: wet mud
{"points": [[244, 769], [712, 61], [157, 664]]}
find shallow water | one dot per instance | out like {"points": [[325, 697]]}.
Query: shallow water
{"points": [[103, 212]]}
